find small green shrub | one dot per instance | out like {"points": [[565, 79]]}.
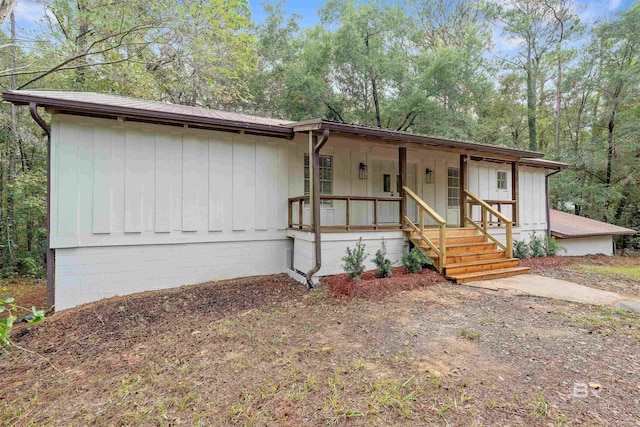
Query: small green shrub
{"points": [[536, 246], [28, 267], [7, 303], [551, 247], [520, 249], [415, 261], [382, 262], [354, 261]]}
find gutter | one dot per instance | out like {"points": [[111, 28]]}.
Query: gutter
{"points": [[92, 109], [466, 147], [314, 198], [546, 192], [50, 256]]}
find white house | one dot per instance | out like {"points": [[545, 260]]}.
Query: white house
{"points": [[146, 195]]}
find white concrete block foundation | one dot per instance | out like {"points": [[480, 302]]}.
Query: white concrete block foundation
{"points": [[91, 273]]}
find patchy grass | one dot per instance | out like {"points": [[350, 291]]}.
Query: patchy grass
{"points": [[265, 351], [608, 321], [469, 334], [625, 271]]}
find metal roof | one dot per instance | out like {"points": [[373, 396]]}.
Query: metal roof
{"points": [[91, 103], [105, 105], [565, 225], [543, 163], [392, 135]]}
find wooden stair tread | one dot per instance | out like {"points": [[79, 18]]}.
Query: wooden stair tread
{"points": [[493, 274], [464, 245], [479, 253], [481, 262]]}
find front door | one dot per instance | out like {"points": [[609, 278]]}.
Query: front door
{"points": [[386, 183]]}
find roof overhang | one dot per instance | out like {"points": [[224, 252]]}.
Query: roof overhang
{"points": [[406, 137], [564, 225], [560, 235], [92, 109], [542, 163]]}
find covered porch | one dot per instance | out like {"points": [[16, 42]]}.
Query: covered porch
{"points": [[401, 191]]}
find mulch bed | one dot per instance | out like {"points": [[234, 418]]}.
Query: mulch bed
{"points": [[372, 287]]}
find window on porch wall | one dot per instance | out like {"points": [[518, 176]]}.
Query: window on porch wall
{"points": [[453, 188], [501, 180], [326, 177]]}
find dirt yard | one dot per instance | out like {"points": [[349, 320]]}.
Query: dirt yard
{"points": [[265, 351]]}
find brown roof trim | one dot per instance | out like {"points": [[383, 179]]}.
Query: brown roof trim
{"points": [[542, 163], [93, 109], [599, 234], [105, 106], [319, 124]]}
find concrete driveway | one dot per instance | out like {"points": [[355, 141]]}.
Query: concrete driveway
{"points": [[532, 284]]}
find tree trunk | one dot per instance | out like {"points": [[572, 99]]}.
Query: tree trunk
{"points": [[374, 88], [376, 103], [556, 141], [610, 127], [6, 9], [81, 46], [624, 200], [11, 170], [531, 104]]}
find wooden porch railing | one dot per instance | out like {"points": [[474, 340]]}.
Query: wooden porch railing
{"points": [[498, 204], [296, 213], [440, 249], [487, 210]]}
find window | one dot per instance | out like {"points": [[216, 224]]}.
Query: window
{"points": [[386, 183], [326, 174], [453, 188], [502, 180]]}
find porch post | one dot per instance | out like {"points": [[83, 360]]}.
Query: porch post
{"points": [[463, 186], [514, 192], [402, 172], [313, 161], [314, 199]]}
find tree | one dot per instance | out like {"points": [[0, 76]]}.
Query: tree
{"points": [[366, 54], [528, 22], [190, 51], [563, 13]]}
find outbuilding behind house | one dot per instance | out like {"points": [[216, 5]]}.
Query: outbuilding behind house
{"points": [[584, 236]]}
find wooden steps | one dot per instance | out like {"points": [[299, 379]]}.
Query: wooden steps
{"points": [[495, 274], [470, 255]]}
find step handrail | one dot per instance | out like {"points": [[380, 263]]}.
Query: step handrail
{"points": [[486, 209], [441, 249], [424, 206]]}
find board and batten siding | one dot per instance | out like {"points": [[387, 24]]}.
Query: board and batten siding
{"points": [[131, 183], [532, 212], [140, 206]]}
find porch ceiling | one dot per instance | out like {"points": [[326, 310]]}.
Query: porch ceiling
{"points": [[397, 136]]}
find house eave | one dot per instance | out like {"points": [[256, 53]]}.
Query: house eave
{"points": [[421, 140], [580, 236], [90, 109]]}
